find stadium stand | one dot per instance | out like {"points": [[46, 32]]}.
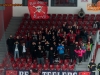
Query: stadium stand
{"points": [[27, 25]]}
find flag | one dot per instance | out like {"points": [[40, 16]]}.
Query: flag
{"points": [[38, 9]]}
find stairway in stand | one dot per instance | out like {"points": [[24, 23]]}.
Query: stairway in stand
{"points": [[11, 29]]}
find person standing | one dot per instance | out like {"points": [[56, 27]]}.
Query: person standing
{"points": [[80, 53], [10, 44], [40, 56], [71, 51], [23, 49], [51, 55], [84, 48], [47, 48], [98, 67], [16, 50], [92, 67], [33, 50], [88, 48], [60, 50]]}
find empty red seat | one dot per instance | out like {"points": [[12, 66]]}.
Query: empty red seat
{"points": [[27, 66], [45, 67], [87, 17], [21, 66], [52, 67], [39, 67], [34, 66], [14, 66], [29, 60], [71, 67], [66, 61], [64, 67], [58, 67], [23, 60], [92, 17]]}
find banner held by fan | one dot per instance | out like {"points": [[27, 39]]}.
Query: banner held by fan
{"points": [[38, 9]]}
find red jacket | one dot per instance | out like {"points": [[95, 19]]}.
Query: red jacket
{"points": [[80, 52]]}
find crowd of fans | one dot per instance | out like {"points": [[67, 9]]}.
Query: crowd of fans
{"points": [[49, 43]]}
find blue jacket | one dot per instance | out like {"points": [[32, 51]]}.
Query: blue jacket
{"points": [[60, 49]]}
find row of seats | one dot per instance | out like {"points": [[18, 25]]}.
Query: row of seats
{"points": [[43, 67], [23, 63], [90, 17]]}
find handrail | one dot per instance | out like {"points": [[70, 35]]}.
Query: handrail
{"points": [[94, 46]]}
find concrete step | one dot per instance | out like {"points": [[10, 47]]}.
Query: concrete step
{"points": [[11, 29]]}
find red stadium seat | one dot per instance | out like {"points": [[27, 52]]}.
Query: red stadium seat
{"points": [[21, 66], [87, 16], [14, 66], [45, 67], [23, 60], [58, 67], [33, 66], [64, 67], [66, 61], [12, 60], [60, 62], [27, 66], [29, 60], [71, 67], [92, 17], [52, 67], [39, 67]]}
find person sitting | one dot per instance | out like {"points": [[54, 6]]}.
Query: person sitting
{"points": [[81, 14]]}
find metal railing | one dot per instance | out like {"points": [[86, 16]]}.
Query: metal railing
{"points": [[94, 46]]}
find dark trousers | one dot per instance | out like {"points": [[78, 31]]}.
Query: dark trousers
{"points": [[84, 57], [80, 59], [99, 72], [72, 57], [24, 54], [10, 49], [92, 73], [51, 60], [61, 56], [88, 54]]}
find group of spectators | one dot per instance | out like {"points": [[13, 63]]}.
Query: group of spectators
{"points": [[52, 43]]}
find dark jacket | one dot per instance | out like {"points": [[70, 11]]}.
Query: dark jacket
{"points": [[91, 41], [51, 53], [72, 47], [40, 53], [10, 41], [47, 47], [92, 66], [21, 48], [18, 46], [33, 48]]}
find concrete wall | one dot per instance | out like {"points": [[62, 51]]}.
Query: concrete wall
{"points": [[64, 10]]}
